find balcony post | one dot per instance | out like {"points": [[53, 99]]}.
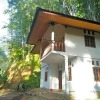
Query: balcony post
{"points": [[66, 75], [52, 36], [52, 39]]}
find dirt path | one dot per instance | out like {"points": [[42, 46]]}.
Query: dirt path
{"points": [[10, 94], [33, 94]]}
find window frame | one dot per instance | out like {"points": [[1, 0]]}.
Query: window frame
{"points": [[97, 63], [93, 63], [70, 74], [96, 73], [46, 76], [89, 41]]}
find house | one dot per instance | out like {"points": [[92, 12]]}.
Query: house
{"points": [[69, 49]]}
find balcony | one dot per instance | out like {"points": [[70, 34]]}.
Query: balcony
{"points": [[54, 46]]}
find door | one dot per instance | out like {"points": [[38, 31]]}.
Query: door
{"points": [[60, 79]]}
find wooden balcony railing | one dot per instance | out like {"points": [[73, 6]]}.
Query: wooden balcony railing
{"points": [[58, 46], [46, 50]]}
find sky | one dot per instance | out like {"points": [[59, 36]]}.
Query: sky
{"points": [[3, 21], [3, 17]]}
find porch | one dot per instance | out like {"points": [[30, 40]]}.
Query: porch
{"points": [[53, 41]]}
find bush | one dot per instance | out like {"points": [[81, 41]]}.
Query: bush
{"points": [[3, 79], [33, 82]]}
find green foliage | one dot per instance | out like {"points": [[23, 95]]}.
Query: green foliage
{"points": [[3, 62], [3, 67], [3, 79], [33, 81], [89, 9], [3, 57], [22, 12]]}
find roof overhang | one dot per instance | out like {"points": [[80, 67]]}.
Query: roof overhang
{"points": [[43, 18]]}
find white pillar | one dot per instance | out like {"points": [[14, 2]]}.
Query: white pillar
{"points": [[66, 75], [52, 39], [52, 36]]}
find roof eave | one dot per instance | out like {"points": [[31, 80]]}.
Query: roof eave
{"points": [[51, 16]]}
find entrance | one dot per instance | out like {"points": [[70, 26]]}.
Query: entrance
{"points": [[60, 79]]}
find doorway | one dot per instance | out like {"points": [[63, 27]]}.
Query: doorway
{"points": [[60, 78]]}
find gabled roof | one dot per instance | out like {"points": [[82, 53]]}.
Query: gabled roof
{"points": [[43, 18]]}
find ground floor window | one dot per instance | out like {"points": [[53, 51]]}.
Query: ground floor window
{"points": [[96, 71], [46, 76], [70, 74]]}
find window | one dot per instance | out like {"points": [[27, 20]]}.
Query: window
{"points": [[70, 74], [46, 75], [92, 32], [92, 62], [88, 32], [89, 41], [69, 63], [96, 72], [97, 63], [84, 31]]}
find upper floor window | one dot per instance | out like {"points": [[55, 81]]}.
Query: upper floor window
{"points": [[89, 41], [92, 62], [97, 63]]}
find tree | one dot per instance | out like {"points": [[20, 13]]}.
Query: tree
{"points": [[21, 14], [3, 57]]}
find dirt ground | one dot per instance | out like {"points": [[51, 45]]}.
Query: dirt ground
{"points": [[32, 94]]}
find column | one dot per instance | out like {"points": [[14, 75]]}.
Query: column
{"points": [[52, 35], [66, 75]]}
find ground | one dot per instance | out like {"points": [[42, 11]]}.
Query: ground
{"points": [[32, 94]]}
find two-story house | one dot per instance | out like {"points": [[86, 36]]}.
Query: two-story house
{"points": [[69, 49]]}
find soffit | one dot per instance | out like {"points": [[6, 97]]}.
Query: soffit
{"points": [[43, 20]]}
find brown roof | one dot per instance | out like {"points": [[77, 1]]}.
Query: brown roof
{"points": [[43, 18]]}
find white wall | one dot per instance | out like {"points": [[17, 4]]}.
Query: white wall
{"points": [[63, 76], [74, 40], [45, 84], [82, 71], [82, 75], [54, 77], [54, 84]]}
